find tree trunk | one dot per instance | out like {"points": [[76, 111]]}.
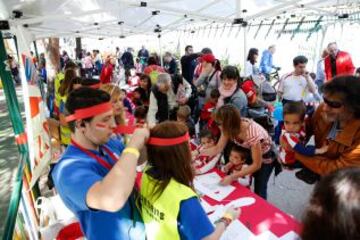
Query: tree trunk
{"points": [[52, 55]]}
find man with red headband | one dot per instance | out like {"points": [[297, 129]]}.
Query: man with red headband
{"points": [[95, 176]]}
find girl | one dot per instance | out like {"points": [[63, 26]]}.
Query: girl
{"points": [[70, 82], [169, 205]]}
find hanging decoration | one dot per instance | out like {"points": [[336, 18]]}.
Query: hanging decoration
{"points": [[283, 28], [297, 28], [257, 31]]}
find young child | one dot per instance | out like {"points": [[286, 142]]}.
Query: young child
{"points": [[183, 114], [203, 164], [238, 156], [293, 134], [140, 116], [128, 104], [133, 80], [137, 96], [209, 107]]}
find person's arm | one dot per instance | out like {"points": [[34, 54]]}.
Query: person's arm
{"points": [[241, 103], [311, 84], [153, 108], [200, 80], [218, 148], [350, 65], [324, 165], [112, 192], [248, 70], [308, 150], [256, 156]]}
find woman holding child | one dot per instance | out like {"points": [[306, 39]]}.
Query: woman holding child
{"points": [[249, 135]]}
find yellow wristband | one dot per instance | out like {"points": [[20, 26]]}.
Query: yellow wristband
{"points": [[133, 151], [228, 216]]}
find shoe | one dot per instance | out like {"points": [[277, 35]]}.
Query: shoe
{"points": [[307, 176]]}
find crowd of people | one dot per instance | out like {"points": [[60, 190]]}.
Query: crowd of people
{"points": [[118, 111]]}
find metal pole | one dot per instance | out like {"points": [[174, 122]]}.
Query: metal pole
{"points": [[160, 52], [18, 128]]}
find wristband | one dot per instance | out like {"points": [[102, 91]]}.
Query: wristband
{"points": [[228, 215], [133, 151], [224, 220]]}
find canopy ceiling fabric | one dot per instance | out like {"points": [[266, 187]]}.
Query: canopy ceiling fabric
{"points": [[109, 18]]}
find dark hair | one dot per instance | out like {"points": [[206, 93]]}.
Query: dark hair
{"points": [[229, 118], [251, 55], [176, 80], [148, 79], [87, 82], [187, 47], [206, 51], [244, 153], [67, 84], [348, 87], [334, 209], [140, 112], [357, 70], [169, 162], [230, 72], [300, 60], [82, 98], [215, 93], [152, 61], [295, 108], [206, 133]]}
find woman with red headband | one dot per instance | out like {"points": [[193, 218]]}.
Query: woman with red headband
{"points": [[169, 206]]}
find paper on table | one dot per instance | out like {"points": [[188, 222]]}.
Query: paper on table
{"points": [[207, 207], [238, 231], [208, 184], [241, 202]]}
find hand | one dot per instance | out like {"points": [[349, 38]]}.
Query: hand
{"points": [[233, 212], [323, 149], [270, 107], [139, 138], [226, 180], [285, 145]]}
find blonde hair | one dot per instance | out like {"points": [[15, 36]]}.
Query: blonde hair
{"points": [[114, 92]]}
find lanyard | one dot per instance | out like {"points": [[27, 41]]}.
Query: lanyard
{"points": [[101, 161]]}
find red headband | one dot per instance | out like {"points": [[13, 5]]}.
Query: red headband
{"points": [[168, 141], [123, 129], [83, 113]]}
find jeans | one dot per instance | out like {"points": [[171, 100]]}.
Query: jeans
{"points": [[261, 179]]}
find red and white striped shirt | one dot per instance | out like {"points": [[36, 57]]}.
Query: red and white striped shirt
{"points": [[255, 133]]}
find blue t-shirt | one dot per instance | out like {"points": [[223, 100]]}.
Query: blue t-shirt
{"points": [[193, 223], [73, 176]]}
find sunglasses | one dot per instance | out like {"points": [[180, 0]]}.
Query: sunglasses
{"points": [[333, 104]]}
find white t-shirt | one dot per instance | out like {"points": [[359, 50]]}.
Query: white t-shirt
{"points": [[293, 87]]}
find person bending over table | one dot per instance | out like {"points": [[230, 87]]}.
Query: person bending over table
{"points": [[96, 175], [247, 134], [169, 206]]}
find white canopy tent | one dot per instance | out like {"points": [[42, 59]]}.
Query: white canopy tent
{"points": [[113, 18]]}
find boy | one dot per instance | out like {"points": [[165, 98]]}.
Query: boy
{"points": [[209, 107], [183, 115], [293, 133]]}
